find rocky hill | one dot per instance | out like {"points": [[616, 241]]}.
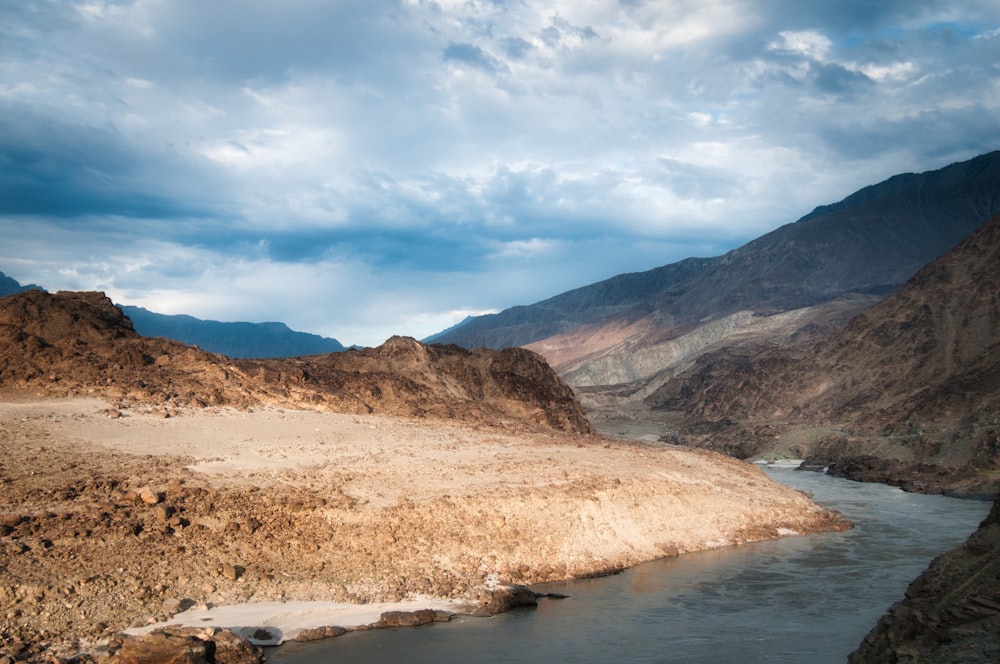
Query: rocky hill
{"points": [[81, 344], [234, 339], [913, 380], [635, 331]]}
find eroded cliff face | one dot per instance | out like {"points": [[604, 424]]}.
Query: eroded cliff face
{"points": [[81, 344], [951, 612]]}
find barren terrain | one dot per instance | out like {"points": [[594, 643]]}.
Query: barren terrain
{"points": [[114, 515]]}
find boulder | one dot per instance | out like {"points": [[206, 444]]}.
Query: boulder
{"points": [[504, 598], [162, 648], [317, 633], [408, 618], [189, 645]]}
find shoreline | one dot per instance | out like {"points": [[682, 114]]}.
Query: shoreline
{"points": [[274, 623], [111, 512]]}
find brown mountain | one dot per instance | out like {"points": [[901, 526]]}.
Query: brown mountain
{"points": [[81, 344], [618, 340], [913, 380]]}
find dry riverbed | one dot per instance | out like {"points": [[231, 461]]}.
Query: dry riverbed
{"points": [[112, 517]]}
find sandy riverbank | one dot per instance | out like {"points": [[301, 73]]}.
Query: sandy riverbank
{"points": [[111, 521]]}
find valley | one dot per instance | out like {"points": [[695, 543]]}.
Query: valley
{"points": [[142, 477]]}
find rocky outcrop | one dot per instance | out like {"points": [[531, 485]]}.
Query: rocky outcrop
{"points": [[964, 482], [503, 598], [406, 377], [81, 344], [951, 612], [188, 646]]}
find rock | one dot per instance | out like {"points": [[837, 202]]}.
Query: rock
{"points": [[231, 572], [174, 488], [408, 618], [261, 634], [148, 496], [505, 598], [318, 633], [231, 648], [190, 645], [162, 648], [171, 605], [11, 520]]}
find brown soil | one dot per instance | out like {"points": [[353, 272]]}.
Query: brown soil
{"points": [[112, 517]]}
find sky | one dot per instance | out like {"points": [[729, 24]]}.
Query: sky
{"points": [[364, 169]]}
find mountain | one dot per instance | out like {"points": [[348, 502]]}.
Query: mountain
{"points": [[81, 344], [10, 286], [621, 338], [232, 339], [908, 392]]}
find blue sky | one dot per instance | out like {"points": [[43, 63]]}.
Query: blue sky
{"points": [[363, 169]]}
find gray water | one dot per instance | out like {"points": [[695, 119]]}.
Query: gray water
{"points": [[802, 599]]}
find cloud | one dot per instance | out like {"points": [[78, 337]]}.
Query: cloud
{"points": [[409, 159], [472, 55]]}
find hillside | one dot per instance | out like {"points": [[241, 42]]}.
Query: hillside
{"points": [[81, 344], [913, 380], [623, 337]]}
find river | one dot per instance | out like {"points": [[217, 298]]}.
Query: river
{"points": [[800, 599]]}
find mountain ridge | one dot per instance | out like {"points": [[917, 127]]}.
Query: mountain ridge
{"points": [[233, 339], [834, 251], [238, 339]]}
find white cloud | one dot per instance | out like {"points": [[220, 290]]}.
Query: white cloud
{"points": [[409, 161], [810, 43]]}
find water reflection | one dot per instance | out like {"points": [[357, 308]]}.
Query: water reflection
{"points": [[807, 599]]}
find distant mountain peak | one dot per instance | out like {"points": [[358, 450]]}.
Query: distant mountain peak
{"points": [[236, 339], [867, 244], [9, 286]]}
